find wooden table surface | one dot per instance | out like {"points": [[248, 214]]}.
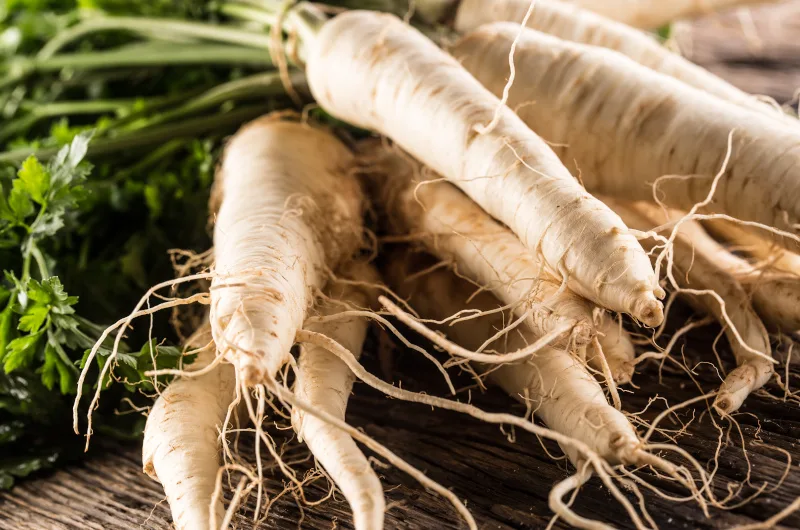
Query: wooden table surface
{"points": [[505, 480]]}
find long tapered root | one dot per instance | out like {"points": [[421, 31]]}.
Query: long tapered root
{"points": [[572, 23], [325, 382], [613, 131], [652, 14], [181, 447], [553, 383], [289, 209], [398, 82], [457, 230]]}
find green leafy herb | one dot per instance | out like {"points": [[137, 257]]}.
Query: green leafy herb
{"points": [[44, 340], [80, 242]]}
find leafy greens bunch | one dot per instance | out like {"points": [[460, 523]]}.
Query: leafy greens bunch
{"points": [[99, 131]]}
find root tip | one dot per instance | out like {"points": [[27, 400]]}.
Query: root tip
{"points": [[250, 375], [624, 373], [649, 311], [723, 405]]}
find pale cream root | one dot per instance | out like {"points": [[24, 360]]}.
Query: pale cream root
{"points": [[289, 210], [572, 23], [554, 383], [181, 447], [711, 289], [623, 127], [617, 349], [652, 14], [457, 230], [598, 465], [758, 246], [774, 294], [376, 72], [325, 382]]}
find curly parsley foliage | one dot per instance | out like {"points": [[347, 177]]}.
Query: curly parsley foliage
{"points": [[39, 321], [80, 244], [43, 339]]}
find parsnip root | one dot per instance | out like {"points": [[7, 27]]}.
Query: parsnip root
{"points": [[325, 382], [457, 230], [182, 438], [623, 127], [617, 349], [289, 210], [652, 14], [553, 383], [709, 288], [398, 83], [572, 23]]}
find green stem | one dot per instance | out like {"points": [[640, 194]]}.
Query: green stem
{"points": [[41, 263], [151, 159], [155, 27], [69, 363], [261, 85], [50, 110], [30, 246], [147, 137], [177, 55], [306, 19], [250, 14], [57, 108], [271, 6], [152, 104], [26, 265]]}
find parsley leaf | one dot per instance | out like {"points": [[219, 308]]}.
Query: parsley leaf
{"points": [[35, 179]]}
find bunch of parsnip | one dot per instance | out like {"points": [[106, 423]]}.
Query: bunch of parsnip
{"points": [[541, 169]]}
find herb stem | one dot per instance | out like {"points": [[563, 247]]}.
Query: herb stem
{"points": [[176, 55], [155, 27], [147, 137], [261, 85], [250, 14], [41, 263]]}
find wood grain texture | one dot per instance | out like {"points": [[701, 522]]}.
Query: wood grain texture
{"points": [[505, 482], [756, 49]]}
